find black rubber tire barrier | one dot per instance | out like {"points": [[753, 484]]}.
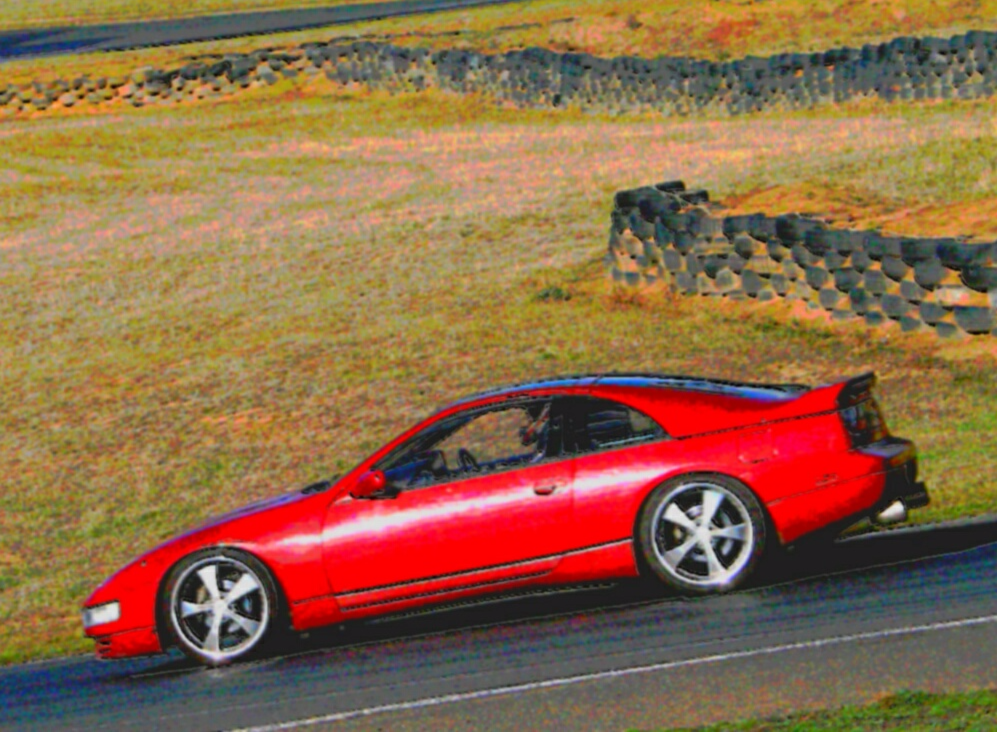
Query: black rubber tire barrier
{"points": [[702, 224], [895, 306], [630, 199], [693, 265], [640, 227], [894, 268], [744, 246], [791, 229], [843, 315], [776, 251], [663, 237], [829, 298], [734, 225], [861, 260], [818, 239], [762, 227], [975, 320], [726, 281], [780, 284], [846, 272], [874, 245], [736, 263], [956, 256], [686, 282], [802, 256], [979, 278], [834, 259], [695, 197], [912, 292], [676, 185], [712, 265], [672, 260], [677, 223], [947, 330], [817, 277], [683, 242], [929, 274], [931, 312], [861, 301], [791, 270], [845, 279], [751, 282], [913, 251]]}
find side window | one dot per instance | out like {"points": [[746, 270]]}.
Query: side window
{"points": [[476, 442], [596, 425], [489, 438]]}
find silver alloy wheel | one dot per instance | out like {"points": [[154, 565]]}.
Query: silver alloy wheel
{"points": [[702, 534], [220, 608]]}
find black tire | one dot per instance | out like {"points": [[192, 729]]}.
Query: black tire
{"points": [[670, 533], [242, 591]]}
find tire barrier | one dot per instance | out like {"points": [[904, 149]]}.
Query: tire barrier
{"points": [[668, 234], [904, 69]]}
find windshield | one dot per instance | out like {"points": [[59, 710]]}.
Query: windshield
{"points": [[422, 442]]}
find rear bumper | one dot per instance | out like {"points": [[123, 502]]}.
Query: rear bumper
{"points": [[888, 473], [133, 643], [900, 464], [913, 495]]}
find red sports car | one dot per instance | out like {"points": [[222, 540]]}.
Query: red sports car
{"points": [[683, 479]]}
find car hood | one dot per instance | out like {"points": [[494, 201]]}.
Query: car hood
{"points": [[263, 505], [255, 507]]}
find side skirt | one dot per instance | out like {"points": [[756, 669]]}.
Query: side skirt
{"points": [[594, 564]]}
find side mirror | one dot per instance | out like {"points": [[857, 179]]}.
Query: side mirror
{"points": [[373, 485]]}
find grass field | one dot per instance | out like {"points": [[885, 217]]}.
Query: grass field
{"points": [[212, 303], [906, 711], [207, 305]]}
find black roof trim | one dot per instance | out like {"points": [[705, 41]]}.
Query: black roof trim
{"points": [[570, 380], [634, 379], [681, 381]]}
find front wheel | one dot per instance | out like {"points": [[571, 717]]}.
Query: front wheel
{"points": [[702, 534], [220, 605]]}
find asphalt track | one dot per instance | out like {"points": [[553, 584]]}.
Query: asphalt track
{"points": [[912, 608], [25, 43]]}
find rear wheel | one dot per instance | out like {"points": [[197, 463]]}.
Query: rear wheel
{"points": [[220, 605], [702, 534]]}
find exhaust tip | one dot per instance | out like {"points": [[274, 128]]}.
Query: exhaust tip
{"points": [[891, 515]]}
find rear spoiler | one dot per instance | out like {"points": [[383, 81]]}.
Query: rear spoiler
{"points": [[834, 396]]}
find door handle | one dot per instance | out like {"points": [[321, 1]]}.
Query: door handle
{"points": [[546, 490]]}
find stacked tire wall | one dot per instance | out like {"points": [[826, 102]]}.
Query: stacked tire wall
{"points": [[906, 68], [667, 234]]}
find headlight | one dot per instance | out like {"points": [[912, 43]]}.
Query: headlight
{"points": [[101, 614]]}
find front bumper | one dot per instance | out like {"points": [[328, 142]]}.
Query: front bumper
{"points": [[133, 643]]}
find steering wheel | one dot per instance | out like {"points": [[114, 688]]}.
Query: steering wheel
{"points": [[466, 460]]}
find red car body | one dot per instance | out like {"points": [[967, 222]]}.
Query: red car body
{"points": [[814, 458]]}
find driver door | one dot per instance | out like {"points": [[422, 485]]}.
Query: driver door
{"points": [[471, 497]]}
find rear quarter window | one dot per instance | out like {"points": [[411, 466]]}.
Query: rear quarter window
{"points": [[598, 425]]}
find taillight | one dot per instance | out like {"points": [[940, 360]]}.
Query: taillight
{"points": [[864, 422]]}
